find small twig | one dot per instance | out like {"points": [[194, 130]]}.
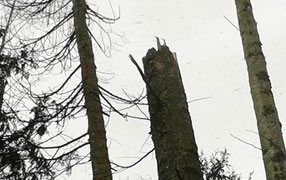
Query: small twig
{"points": [[246, 142], [144, 142], [63, 145], [144, 79], [198, 99], [138, 68], [232, 23], [125, 167], [277, 146], [252, 132]]}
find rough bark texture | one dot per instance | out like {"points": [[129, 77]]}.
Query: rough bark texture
{"points": [[97, 137], [171, 126], [269, 127]]}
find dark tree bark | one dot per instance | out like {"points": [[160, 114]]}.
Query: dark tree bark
{"points": [[97, 137], [171, 125], [269, 127], [2, 90]]}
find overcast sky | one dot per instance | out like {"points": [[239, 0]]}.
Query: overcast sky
{"points": [[212, 65]]}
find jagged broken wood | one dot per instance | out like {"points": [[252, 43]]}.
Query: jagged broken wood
{"points": [[171, 126]]}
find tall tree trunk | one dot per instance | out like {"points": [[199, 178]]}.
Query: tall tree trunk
{"points": [[3, 81], [269, 127], [171, 125], [97, 137]]}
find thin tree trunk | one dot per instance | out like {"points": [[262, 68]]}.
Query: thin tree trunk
{"points": [[269, 127], [3, 79], [171, 125], [2, 91], [97, 137]]}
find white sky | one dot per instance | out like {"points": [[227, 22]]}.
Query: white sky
{"points": [[211, 61]]}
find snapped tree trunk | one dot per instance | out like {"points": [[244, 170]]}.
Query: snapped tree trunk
{"points": [[269, 127], [171, 125], [97, 137]]}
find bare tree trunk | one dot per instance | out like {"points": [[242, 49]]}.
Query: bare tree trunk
{"points": [[171, 125], [269, 127], [97, 137], [3, 37], [2, 91]]}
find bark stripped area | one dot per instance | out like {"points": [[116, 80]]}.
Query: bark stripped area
{"points": [[269, 127], [96, 130], [171, 125]]}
